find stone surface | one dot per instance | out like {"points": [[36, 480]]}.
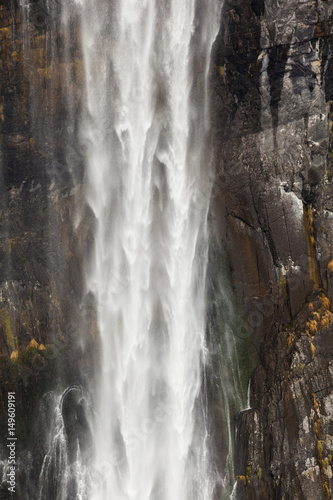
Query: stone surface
{"points": [[42, 251], [272, 206]]}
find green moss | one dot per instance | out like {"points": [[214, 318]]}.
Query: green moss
{"points": [[259, 473], [27, 357], [319, 448], [283, 284], [10, 338]]}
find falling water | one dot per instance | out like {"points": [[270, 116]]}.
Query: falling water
{"points": [[145, 127], [144, 431]]}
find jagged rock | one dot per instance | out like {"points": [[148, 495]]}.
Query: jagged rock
{"points": [[272, 206], [41, 251]]}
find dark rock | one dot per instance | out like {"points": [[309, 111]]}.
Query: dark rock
{"points": [[272, 204]]}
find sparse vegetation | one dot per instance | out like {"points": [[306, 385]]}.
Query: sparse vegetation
{"points": [[243, 479], [317, 428], [259, 473], [6, 324], [315, 403], [313, 350], [291, 339], [325, 302], [319, 448], [326, 489], [312, 326], [283, 284]]}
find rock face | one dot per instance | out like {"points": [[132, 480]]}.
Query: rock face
{"points": [[42, 254], [272, 207], [272, 85], [41, 269]]}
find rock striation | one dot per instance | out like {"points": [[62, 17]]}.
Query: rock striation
{"points": [[42, 251], [272, 208], [272, 85]]}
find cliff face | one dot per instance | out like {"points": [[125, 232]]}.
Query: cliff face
{"points": [[42, 254], [272, 203], [41, 172]]}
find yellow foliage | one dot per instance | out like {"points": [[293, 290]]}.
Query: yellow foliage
{"points": [[326, 490], [291, 338], [45, 72], [33, 343], [319, 450], [313, 350], [15, 56], [14, 355], [5, 31], [243, 479], [330, 266], [313, 325], [308, 333], [317, 428], [326, 303], [41, 347], [315, 404], [311, 306], [325, 321], [10, 338]]}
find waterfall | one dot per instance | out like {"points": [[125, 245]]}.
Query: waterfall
{"points": [[145, 127]]}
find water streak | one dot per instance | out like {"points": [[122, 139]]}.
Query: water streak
{"points": [[145, 128]]}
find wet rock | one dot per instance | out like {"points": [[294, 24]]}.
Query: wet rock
{"points": [[83, 428], [273, 151], [272, 207]]}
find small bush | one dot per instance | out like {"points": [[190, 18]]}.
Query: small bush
{"points": [[320, 450], [243, 479], [326, 303], [313, 350]]}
